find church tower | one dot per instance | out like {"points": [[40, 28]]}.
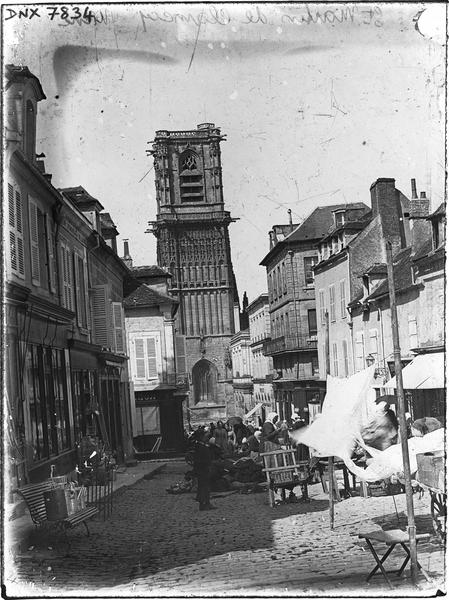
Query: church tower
{"points": [[193, 245]]}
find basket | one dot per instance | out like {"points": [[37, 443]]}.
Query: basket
{"points": [[431, 470], [283, 476]]}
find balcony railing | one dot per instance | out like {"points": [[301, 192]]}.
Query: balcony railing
{"points": [[290, 343]]}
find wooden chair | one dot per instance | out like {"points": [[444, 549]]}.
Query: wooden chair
{"points": [[282, 469]]}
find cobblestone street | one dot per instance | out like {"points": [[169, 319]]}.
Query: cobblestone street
{"points": [[157, 544]]}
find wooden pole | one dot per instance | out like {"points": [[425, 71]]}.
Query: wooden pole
{"points": [[330, 460], [401, 415]]}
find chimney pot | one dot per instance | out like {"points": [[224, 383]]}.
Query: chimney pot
{"points": [[414, 194], [423, 194], [125, 248]]}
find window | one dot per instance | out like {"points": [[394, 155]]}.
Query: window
{"points": [[204, 379], [374, 344], [146, 357], [343, 299], [322, 307], [101, 319], [344, 346], [311, 315], [67, 278], [34, 243], [315, 366], [339, 218], [80, 271], [180, 349], [412, 332], [48, 427], [190, 178], [16, 252], [148, 420], [332, 303], [119, 326], [309, 262], [335, 358], [359, 352], [284, 276]]}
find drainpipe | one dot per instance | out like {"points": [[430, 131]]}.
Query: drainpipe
{"points": [[384, 358]]}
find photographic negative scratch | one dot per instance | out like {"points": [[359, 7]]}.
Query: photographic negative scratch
{"points": [[196, 40]]}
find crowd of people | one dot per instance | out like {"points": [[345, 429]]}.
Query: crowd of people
{"points": [[235, 439]]}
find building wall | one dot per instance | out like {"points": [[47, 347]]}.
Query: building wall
{"points": [[337, 276]]}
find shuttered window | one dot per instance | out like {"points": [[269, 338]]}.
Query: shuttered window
{"points": [[34, 243], [374, 344], [412, 331], [80, 287], [332, 303], [16, 248], [51, 266], [342, 299], [180, 348], [67, 278], [335, 358], [359, 351], [118, 322], [147, 357], [322, 307], [345, 358], [101, 315]]}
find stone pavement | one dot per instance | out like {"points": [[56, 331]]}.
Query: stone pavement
{"points": [[159, 545]]}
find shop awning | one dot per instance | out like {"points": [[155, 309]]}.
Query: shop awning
{"points": [[253, 410], [426, 371]]}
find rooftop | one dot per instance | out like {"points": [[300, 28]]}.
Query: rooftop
{"points": [[145, 296]]}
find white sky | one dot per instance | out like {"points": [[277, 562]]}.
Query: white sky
{"points": [[313, 112]]}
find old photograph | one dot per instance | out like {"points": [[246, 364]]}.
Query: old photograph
{"points": [[224, 293]]}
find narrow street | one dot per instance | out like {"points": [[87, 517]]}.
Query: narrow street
{"points": [[157, 544]]}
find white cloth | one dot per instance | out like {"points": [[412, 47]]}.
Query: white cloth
{"points": [[348, 406]]}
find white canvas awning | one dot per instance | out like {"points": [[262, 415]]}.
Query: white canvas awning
{"points": [[426, 371], [253, 410]]}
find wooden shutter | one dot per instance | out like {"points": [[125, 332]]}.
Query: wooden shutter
{"points": [[34, 243], [50, 254], [180, 349], [140, 358], [151, 358], [117, 318], [16, 246], [67, 278], [322, 307], [332, 302], [342, 299], [100, 309]]}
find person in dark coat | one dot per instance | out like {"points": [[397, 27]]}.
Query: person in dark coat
{"points": [[202, 461]]}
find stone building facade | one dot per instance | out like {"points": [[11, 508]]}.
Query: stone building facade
{"points": [[262, 366], [193, 245], [58, 368], [157, 391], [293, 320]]}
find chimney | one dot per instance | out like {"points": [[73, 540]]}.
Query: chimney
{"points": [[386, 204], [126, 256], [414, 195], [420, 226], [290, 221]]}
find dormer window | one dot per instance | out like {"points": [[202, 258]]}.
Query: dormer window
{"points": [[366, 285], [190, 178], [340, 218]]}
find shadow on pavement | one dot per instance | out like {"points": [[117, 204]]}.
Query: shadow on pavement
{"points": [[150, 531]]}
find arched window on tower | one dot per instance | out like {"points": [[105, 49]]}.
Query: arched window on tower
{"points": [[190, 177], [204, 379]]}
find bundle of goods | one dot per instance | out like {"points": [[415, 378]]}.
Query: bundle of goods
{"points": [[246, 470], [64, 498]]}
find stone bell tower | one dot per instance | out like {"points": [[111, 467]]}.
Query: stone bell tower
{"points": [[193, 245]]}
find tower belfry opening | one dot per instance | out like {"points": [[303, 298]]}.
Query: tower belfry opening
{"points": [[193, 244]]}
